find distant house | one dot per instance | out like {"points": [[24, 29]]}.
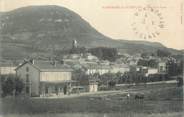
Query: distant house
{"points": [[96, 68], [146, 71], [134, 68], [162, 67], [70, 61], [45, 78], [90, 57], [93, 86], [7, 69], [119, 68], [132, 61], [151, 71], [102, 69]]}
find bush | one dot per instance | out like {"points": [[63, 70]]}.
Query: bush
{"points": [[12, 85], [180, 81], [105, 53], [112, 83], [7, 87]]}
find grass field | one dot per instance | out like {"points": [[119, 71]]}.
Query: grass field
{"points": [[99, 115], [160, 101]]}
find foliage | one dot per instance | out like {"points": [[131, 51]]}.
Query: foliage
{"points": [[178, 57], [180, 67], [146, 54], [7, 87], [108, 79], [111, 83], [180, 81], [138, 77], [174, 68], [157, 77], [148, 63], [105, 53], [19, 85], [133, 76], [12, 85], [163, 53], [80, 77], [78, 50]]}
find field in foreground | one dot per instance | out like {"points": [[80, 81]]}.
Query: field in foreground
{"points": [[160, 101], [99, 115]]}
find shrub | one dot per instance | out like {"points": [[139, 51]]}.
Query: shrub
{"points": [[12, 85]]}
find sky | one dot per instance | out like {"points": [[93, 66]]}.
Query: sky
{"points": [[117, 18]]}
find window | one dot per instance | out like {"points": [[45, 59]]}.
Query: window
{"points": [[27, 78], [56, 90], [161, 68], [46, 89], [27, 89], [27, 69]]}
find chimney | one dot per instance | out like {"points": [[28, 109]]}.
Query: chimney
{"points": [[32, 61]]}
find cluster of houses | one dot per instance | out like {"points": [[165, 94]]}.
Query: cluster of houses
{"points": [[91, 64], [45, 78]]}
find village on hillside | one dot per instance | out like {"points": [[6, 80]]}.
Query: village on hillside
{"points": [[87, 58], [79, 72]]}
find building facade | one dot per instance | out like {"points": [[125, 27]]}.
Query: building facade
{"points": [[44, 78], [7, 69], [162, 67]]}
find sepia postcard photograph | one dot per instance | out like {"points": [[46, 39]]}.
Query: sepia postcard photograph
{"points": [[91, 58]]}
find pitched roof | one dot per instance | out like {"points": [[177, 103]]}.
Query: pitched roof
{"points": [[48, 66]]}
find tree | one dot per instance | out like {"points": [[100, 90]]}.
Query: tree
{"points": [[111, 83], [180, 81], [123, 78], [172, 68], [8, 87], [142, 62], [148, 63], [105, 53], [153, 63], [180, 67], [144, 55], [81, 77], [163, 53], [79, 50], [12, 85], [110, 79], [19, 85]]}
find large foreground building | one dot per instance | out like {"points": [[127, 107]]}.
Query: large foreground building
{"points": [[45, 78]]}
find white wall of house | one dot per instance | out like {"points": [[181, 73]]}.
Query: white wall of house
{"points": [[119, 69], [33, 74], [7, 70], [93, 71], [54, 76], [93, 87], [162, 67], [151, 71]]}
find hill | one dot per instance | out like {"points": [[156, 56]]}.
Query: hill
{"points": [[38, 30]]}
